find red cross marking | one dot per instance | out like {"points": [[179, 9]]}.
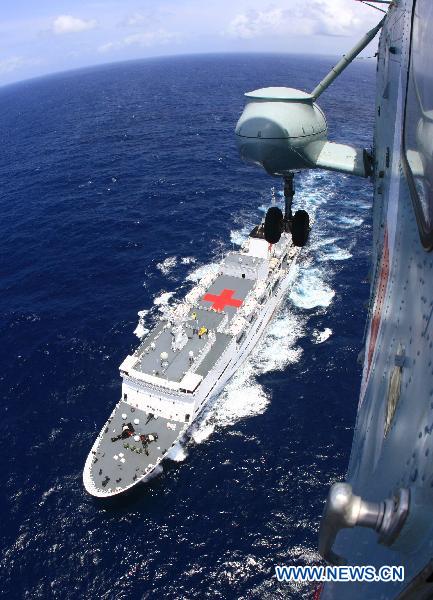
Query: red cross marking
{"points": [[224, 299]]}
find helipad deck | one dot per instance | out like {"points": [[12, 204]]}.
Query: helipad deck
{"points": [[220, 303], [121, 462], [227, 293]]}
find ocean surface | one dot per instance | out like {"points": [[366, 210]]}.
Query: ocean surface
{"points": [[120, 186]]}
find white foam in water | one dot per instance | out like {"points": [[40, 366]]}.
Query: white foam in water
{"points": [[278, 348], [188, 260], [350, 221], [243, 396], [316, 243], [177, 453], [167, 265], [310, 291], [202, 429], [239, 236], [163, 299], [334, 253], [321, 336], [264, 207], [140, 331], [200, 272], [316, 190]]}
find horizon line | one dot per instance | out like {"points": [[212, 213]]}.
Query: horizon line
{"points": [[168, 57]]}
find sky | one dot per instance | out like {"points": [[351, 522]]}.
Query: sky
{"points": [[38, 37]]}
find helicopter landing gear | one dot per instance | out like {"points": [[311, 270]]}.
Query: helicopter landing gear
{"points": [[274, 225], [300, 228], [298, 224]]}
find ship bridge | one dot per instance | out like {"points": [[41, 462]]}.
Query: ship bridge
{"points": [[246, 266]]}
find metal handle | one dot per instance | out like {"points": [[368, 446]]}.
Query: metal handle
{"points": [[344, 509]]}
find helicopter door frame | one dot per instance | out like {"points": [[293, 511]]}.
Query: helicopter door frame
{"points": [[418, 128]]}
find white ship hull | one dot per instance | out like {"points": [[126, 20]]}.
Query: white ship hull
{"points": [[168, 399]]}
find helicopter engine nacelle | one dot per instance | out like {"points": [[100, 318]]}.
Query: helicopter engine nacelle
{"points": [[283, 129]]}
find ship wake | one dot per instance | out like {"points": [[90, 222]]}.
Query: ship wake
{"points": [[311, 293], [244, 396]]}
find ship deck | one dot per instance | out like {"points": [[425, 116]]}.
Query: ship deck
{"points": [[177, 362], [133, 440], [119, 462]]}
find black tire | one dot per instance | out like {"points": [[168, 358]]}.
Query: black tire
{"points": [[300, 228], [274, 225]]}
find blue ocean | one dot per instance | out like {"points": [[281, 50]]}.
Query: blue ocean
{"points": [[120, 187]]}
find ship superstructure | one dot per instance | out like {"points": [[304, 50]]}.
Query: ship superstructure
{"points": [[188, 357]]}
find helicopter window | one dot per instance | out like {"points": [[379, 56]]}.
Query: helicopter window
{"points": [[418, 131]]}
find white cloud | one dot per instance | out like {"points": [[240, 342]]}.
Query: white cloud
{"points": [[69, 24], [334, 18], [321, 17], [256, 23], [13, 63], [149, 38], [144, 39], [150, 16], [135, 19], [8, 65], [106, 47]]}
